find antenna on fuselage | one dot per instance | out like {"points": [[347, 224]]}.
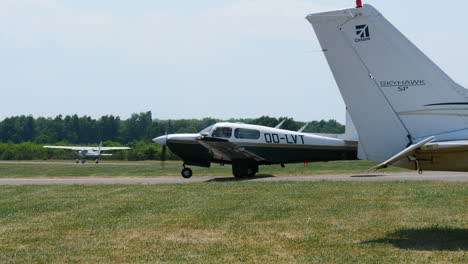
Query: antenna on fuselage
{"points": [[302, 128], [280, 124]]}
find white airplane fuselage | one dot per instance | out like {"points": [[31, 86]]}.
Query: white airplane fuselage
{"points": [[233, 143], [90, 154]]}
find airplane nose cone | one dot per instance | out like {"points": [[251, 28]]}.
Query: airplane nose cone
{"points": [[162, 140]]}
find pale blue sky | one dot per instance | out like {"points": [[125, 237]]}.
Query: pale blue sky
{"points": [[193, 59]]}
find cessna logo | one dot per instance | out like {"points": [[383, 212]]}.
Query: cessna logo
{"points": [[362, 31]]}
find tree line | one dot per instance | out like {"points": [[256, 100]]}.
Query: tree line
{"points": [[22, 137]]}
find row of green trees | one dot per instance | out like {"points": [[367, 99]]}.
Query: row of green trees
{"points": [[140, 150], [22, 137]]}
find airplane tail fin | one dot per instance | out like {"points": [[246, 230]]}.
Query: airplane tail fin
{"points": [[99, 150], [395, 94]]}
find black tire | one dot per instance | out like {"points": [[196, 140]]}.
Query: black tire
{"points": [[97, 161], [237, 171], [242, 169], [186, 173], [251, 172], [83, 161], [77, 161]]}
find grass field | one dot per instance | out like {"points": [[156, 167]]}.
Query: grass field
{"points": [[239, 222], [154, 169]]}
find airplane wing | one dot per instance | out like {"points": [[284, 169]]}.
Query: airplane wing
{"points": [[68, 147], [222, 149], [111, 148], [86, 148]]}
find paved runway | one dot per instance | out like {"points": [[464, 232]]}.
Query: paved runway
{"points": [[427, 176], [91, 162]]}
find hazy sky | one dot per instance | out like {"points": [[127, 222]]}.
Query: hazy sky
{"points": [[193, 59]]}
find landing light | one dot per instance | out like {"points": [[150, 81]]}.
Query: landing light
{"points": [[358, 3]]}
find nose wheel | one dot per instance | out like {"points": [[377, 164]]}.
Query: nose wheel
{"points": [[186, 173]]}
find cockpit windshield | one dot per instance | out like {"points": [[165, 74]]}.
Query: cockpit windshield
{"points": [[207, 130], [222, 132]]}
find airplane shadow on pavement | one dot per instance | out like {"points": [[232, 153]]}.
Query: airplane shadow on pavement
{"points": [[426, 239], [233, 179], [367, 176]]}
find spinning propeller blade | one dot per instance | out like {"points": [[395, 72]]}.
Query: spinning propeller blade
{"points": [[164, 149]]}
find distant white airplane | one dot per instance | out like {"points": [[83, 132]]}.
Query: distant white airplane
{"points": [[406, 110], [88, 152], [247, 147]]}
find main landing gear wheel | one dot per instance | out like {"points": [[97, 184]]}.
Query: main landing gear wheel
{"points": [[244, 169], [97, 161], [186, 173], [77, 161], [83, 161], [251, 172]]}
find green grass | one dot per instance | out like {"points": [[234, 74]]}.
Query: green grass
{"points": [[239, 222], [154, 169]]}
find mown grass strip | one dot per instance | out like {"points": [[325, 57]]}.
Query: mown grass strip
{"points": [[155, 169], [240, 222]]}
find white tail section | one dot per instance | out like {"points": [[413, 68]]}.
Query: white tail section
{"points": [[350, 130], [395, 94]]}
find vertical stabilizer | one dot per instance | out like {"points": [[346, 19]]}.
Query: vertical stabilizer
{"points": [[395, 94]]}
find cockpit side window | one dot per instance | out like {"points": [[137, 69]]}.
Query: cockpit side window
{"points": [[222, 132], [243, 133]]}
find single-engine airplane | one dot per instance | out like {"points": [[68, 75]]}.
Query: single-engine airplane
{"points": [[406, 110], [247, 147], [88, 152]]}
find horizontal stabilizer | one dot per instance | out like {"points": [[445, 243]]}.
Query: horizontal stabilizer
{"points": [[405, 153]]}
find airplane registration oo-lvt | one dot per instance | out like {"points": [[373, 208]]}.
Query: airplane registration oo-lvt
{"points": [[247, 147]]}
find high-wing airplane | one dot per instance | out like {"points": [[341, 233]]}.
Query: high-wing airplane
{"points": [[406, 110], [247, 147], [88, 152]]}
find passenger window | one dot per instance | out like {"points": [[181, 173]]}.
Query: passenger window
{"points": [[243, 133], [222, 132]]}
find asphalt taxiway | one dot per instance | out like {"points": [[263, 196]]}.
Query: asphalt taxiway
{"points": [[427, 176]]}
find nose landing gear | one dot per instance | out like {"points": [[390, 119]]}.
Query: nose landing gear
{"points": [[186, 173]]}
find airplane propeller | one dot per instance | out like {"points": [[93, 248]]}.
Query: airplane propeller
{"points": [[164, 149]]}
